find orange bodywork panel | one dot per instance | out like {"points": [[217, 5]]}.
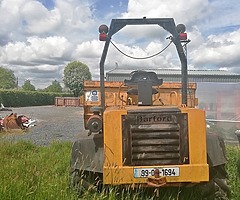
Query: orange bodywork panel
{"points": [[116, 95], [118, 104], [115, 172]]}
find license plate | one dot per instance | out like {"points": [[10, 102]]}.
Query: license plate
{"points": [[164, 171]]}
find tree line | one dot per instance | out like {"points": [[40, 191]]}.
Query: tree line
{"points": [[74, 74]]}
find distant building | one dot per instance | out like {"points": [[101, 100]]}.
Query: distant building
{"points": [[174, 75], [218, 91]]}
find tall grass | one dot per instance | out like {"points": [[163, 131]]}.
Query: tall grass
{"points": [[36, 172], [233, 155]]}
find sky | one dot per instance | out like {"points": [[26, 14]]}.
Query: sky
{"points": [[38, 38]]}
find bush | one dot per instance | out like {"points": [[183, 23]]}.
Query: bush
{"points": [[17, 98]]}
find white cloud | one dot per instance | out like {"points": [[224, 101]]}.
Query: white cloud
{"points": [[89, 49], [35, 50], [33, 37], [37, 42], [75, 14], [10, 12], [222, 15], [219, 51], [37, 19], [195, 9], [40, 76]]}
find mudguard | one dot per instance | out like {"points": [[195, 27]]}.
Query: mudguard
{"points": [[216, 151], [87, 154]]}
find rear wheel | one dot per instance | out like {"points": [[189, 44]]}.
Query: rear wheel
{"points": [[217, 188], [83, 181]]}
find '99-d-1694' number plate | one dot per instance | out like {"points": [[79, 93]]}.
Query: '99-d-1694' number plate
{"points": [[146, 172]]}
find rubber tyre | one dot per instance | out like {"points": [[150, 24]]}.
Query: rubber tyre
{"points": [[83, 181], [215, 189]]}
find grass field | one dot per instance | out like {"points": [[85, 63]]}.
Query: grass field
{"points": [[36, 172]]}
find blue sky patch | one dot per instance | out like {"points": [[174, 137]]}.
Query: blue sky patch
{"points": [[221, 30], [103, 7], [49, 4]]}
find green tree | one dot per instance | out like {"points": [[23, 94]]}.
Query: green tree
{"points": [[27, 86], [74, 75], [54, 87], [7, 79]]}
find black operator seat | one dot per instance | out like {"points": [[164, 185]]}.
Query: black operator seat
{"points": [[139, 77]]}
